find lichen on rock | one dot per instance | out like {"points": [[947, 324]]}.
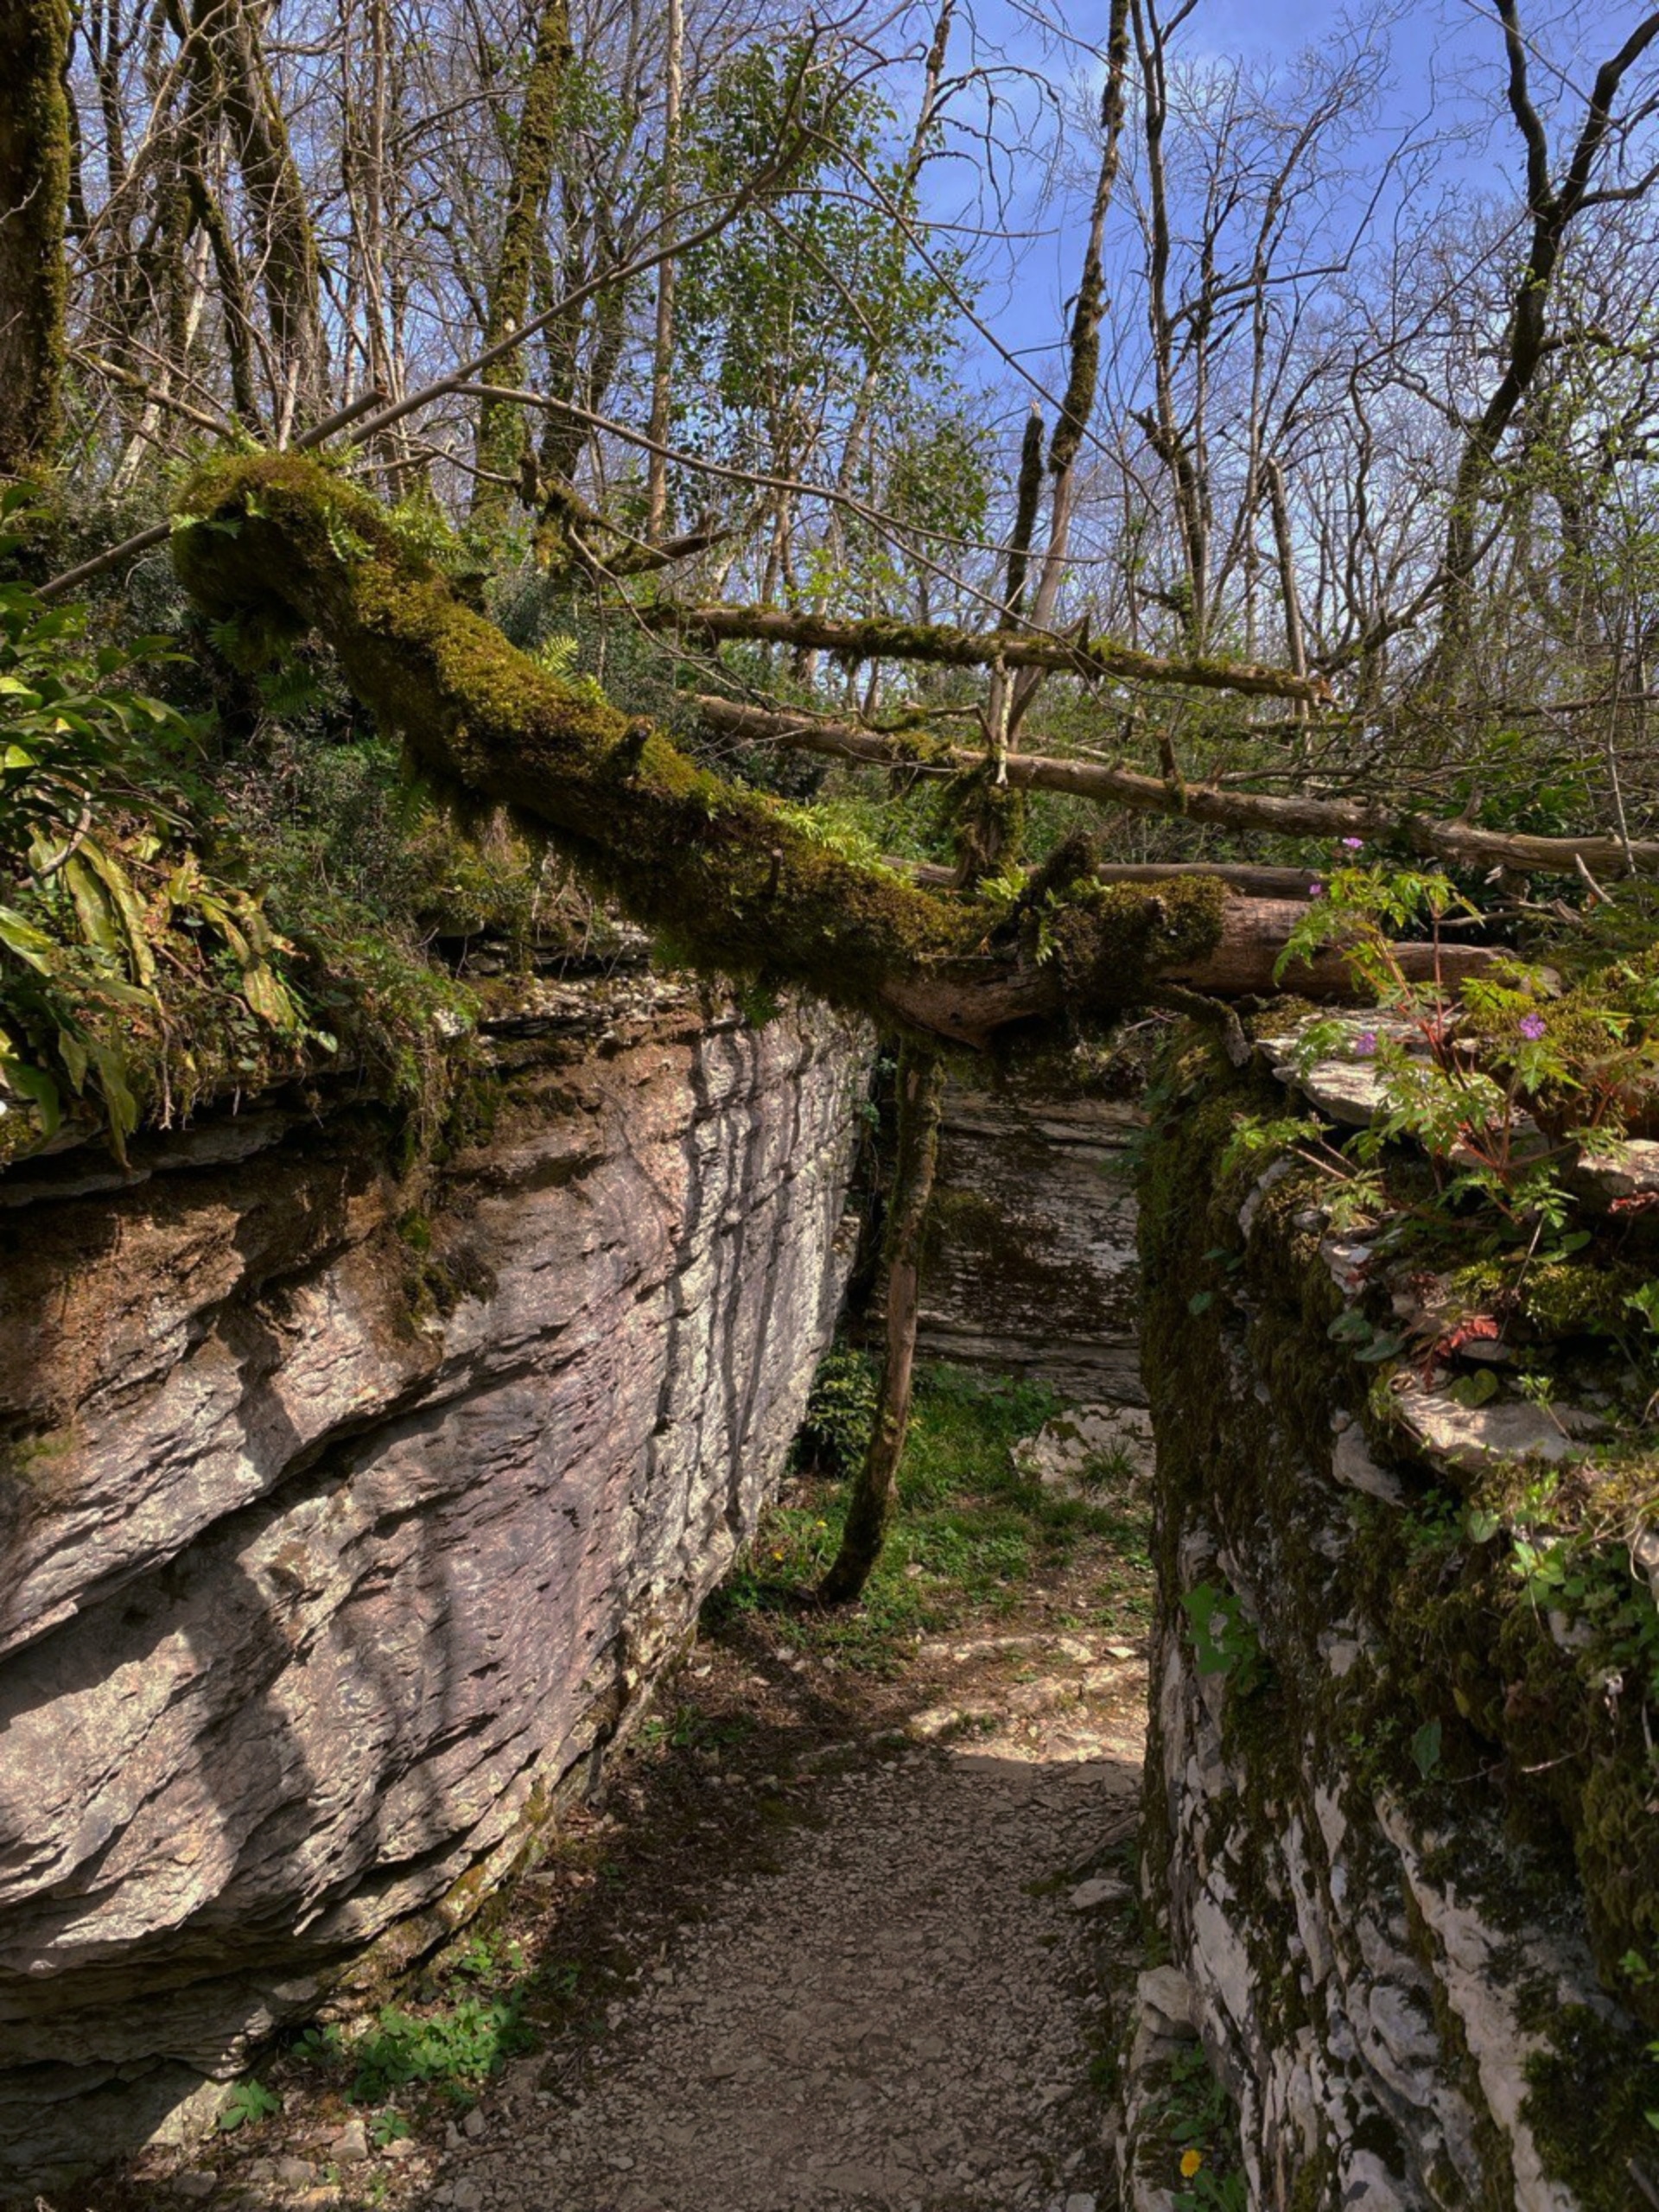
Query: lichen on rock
{"points": [[1399, 1836]]}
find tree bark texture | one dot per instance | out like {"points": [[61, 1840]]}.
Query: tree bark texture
{"points": [[33, 196], [500, 432], [875, 1486]]}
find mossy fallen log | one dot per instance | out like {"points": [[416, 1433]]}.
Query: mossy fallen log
{"points": [[279, 546]]}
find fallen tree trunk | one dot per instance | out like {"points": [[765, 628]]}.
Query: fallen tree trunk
{"points": [[1238, 875], [278, 546], [1455, 843]]}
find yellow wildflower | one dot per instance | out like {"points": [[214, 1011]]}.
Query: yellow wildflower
{"points": [[1191, 2161]]}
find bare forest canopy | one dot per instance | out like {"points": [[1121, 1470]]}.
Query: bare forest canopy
{"points": [[859, 631]]}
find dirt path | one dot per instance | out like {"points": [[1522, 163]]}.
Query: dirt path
{"points": [[903, 2011]]}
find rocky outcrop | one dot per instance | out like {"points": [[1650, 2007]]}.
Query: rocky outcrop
{"points": [[1030, 1264], [346, 1515], [1399, 1852]]}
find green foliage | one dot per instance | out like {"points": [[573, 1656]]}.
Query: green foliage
{"points": [[454, 2049], [973, 1530], [115, 936], [840, 1412], [492, 1964], [246, 2104], [814, 311], [1224, 1641], [1503, 1087], [1195, 2118]]}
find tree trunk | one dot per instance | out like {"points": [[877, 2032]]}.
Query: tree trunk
{"points": [[875, 1486], [500, 433], [1083, 375], [1553, 210], [662, 366], [34, 199], [227, 64]]}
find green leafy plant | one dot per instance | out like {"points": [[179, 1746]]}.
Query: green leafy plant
{"points": [[489, 1961], [456, 2047], [108, 915], [1224, 1641], [1198, 2119], [1424, 1748], [246, 2104], [840, 1412]]}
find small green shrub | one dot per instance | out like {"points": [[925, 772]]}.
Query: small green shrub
{"points": [[455, 2048], [840, 1413]]}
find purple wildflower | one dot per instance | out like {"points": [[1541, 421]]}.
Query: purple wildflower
{"points": [[1316, 891], [1364, 1044], [1353, 844], [1532, 1027]]}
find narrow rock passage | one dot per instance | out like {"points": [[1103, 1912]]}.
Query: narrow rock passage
{"points": [[902, 2012], [837, 1928]]}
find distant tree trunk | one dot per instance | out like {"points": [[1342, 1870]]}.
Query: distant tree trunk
{"points": [[34, 199], [1083, 377], [227, 62], [500, 432], [662, 367], [875, 1486]]}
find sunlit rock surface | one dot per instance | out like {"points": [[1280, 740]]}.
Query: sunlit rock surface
{"points": [[344, 1514]]}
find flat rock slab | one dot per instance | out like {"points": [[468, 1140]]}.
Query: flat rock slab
{"points": [[1474, 1436]]}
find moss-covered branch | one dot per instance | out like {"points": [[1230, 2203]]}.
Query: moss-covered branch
{"points": [[883, 638], [1459, 843], [281, 546]]}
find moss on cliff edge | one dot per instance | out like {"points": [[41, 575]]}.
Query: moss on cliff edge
{"points": [[1494, 1690]]}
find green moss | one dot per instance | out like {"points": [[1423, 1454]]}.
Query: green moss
{"points": [[500, 431], [1588, 2096], [1540, 1784], [1314, 2189], [279, 546], [1587, 1296], [34, 48]]}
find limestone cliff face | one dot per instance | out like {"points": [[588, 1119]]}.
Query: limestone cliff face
{"points": [[1396, 1808], [343, 1520], [1031, 1263]]}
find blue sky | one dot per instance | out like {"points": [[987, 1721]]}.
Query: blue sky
{"points": [[1443, 81]]}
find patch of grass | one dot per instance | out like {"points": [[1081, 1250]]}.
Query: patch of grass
{"points": [[973, 1532]]}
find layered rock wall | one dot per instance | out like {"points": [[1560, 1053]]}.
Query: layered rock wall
{"points": [[1398, 1848], [1030, 1264], [344, 1516]]}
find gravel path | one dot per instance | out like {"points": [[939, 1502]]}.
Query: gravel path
{"points": [[900, 2015]]}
